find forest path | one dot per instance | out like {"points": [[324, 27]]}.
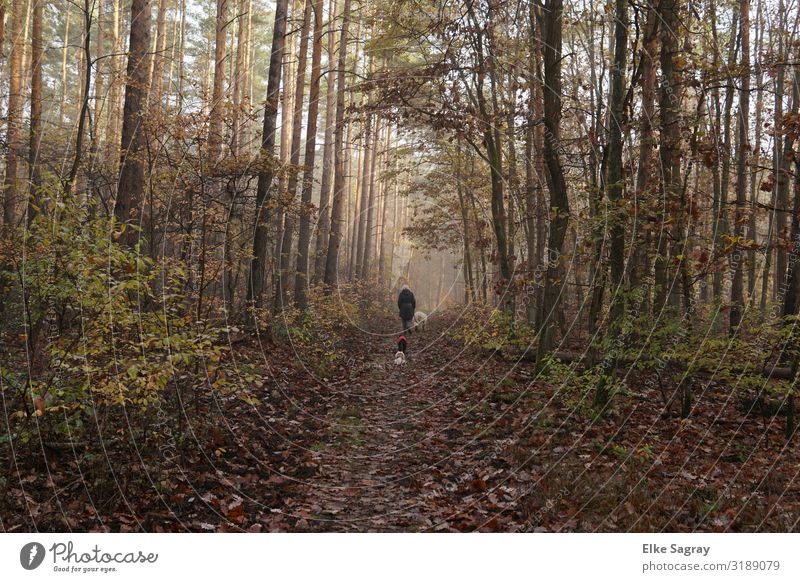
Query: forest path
{"points": [[397, 450]]}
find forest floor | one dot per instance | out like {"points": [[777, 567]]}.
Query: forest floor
{"points": [[459, 439]]}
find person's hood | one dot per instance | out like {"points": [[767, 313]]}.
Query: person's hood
{"points": [[404, 287]]}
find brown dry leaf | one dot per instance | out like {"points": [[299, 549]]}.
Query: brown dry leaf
{"points": [[478, 484]]}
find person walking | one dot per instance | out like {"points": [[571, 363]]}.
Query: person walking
{"points": [[406, 303]]}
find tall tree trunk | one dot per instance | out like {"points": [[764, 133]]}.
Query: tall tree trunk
{"points": [[670, 151], [131, 178], [83, 105], [615, 186], [755, 166], [715, 124], [98, 79], [790, 290], [370, 210], [779, 161], [2, 30], [792, 296], [36, 110], [465, 226], [360, 217], [737, 283], [255, 283], [282, 291], [559, 202], [615, 179], [239, 76], [323, 222], [492, 143], [14, 116], [389, 158], [304, 238], [640, 269], [160, 44], [64, 54], [332, 259], [285, 155], [181, 52], [217, 97], [353, 206], [113, 104]]}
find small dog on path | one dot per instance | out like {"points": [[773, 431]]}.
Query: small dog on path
{"points": [[420, 320], [400, 356]]}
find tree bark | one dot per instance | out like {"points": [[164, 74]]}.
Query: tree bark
{"points": [[255, 283], [332, 259], [217, 99], [304, 239], [737, 283], [552, 23], [14, 116], [323, 222], [640, 270], [36, 111], [131, 178], [370, 210], [284, 278]]}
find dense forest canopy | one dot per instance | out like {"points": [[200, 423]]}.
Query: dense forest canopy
{"points": [[605, 192]]}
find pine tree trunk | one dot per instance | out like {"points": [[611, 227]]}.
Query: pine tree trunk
{"points": [[382, 280], [14, 116], [36, 110], [131, 179], [304, 237], [98, 79], [113, 104], [370, 210], [323, 222], [332, 259], [215, 129], [255, 283], [362, 208], [284, 278]]}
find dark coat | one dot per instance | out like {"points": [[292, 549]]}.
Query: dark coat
{"points": [[407, 304]]}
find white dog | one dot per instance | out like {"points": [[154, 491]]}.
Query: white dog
{"points": [[420, 320], [399, 359]]}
